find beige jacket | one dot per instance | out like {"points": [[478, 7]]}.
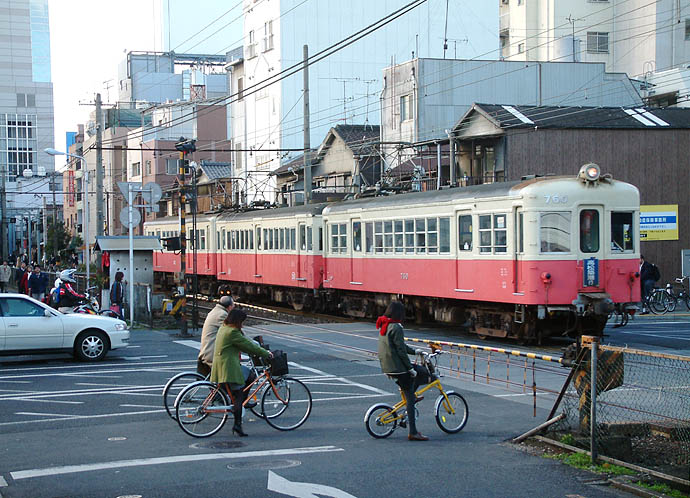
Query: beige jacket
{"points": [[5, 273], [213, 322]]}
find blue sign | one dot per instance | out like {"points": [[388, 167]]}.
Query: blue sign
{"points": [[591, 272]]}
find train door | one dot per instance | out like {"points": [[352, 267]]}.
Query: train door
{"points": [[464, 278], [258, 267], [356, 260], [590, 246], [518, 251]]}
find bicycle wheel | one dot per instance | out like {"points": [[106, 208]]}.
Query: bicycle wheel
{"points": [[658, 302], [672, 303], [380, 420], [193, 407], [174, 386], [288, 405], [451, 421]]}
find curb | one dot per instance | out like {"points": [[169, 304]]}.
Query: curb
{"points": [[629, 487]]}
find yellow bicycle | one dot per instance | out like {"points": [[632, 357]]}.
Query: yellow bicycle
{"points": [[451, 408]]}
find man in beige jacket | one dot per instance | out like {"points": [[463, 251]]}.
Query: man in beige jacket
{"points": [[212, 323], [5, 274]]}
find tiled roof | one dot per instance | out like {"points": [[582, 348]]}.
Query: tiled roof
{"points": [[358, 134], [214, 171]]}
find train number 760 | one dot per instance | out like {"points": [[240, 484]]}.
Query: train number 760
{"points": [[556, 199]]}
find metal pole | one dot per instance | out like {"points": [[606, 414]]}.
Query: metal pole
{"points": [[99, 167], [3, 207], [451, 162], [307, 145], [38, 239], [55, 240], [130, 200], [28, 238], [87, 250], [593, 402], [183, 249]]}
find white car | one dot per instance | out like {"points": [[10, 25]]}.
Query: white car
{"points": [[28, 326]]}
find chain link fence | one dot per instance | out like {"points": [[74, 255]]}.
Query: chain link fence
{"points": [[640, 413]]}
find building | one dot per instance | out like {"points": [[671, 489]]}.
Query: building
{"points": [[642, 146], [26, 117], [345, 85], [630, 36], [422, 98]]}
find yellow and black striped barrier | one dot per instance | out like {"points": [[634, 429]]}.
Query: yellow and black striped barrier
{"points": [[512, 352]]}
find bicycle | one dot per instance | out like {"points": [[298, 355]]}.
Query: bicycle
{"points": [[658, 301], [682, 295], [451, 410], [202, 408]]}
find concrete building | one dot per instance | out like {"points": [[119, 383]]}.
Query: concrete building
{"points": [[422, 98], [26, 116], [630, 36], [344, 86]]}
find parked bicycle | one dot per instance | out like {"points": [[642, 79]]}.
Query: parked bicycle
{"points": [[202, 408], [658, 301], [678, 293], [451, 409]]}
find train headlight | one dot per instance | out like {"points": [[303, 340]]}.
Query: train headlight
{"points": [[589, 172]]}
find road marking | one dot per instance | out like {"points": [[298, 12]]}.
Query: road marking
{"points": [[120, 369], [50, 401], [118, 464], [140, 406], [15, 381], [342, 379], [3, 482], [89, 375], [656, 335], [77, 417], [77, 392], [135, 358], [35, 414], [303, 489], [191, 344]]}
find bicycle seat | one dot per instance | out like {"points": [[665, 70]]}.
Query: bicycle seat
{"points": [[680, 280]]}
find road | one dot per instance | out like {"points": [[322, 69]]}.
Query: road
{"points": [[72, 429]]}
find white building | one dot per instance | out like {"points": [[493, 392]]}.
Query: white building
{"points": [[630, 36], [344, 87], [26, 115]]}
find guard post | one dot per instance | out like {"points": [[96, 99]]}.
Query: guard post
{"points": [[185, 147]]}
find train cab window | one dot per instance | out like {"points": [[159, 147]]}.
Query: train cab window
{"points": [[356, 236], [444, 235], [465, 232], [378, 236], [399, 236], [338, 237], [622, 232], [302, 238], [554, 231], [589, 230], [310, 244], [388, 236], [369, 236]]}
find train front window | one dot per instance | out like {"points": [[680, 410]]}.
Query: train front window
{"points": [[589, 230], [622, 232], [554, 231]]}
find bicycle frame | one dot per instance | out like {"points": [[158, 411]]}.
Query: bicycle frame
{"points": [[396, 414], [220, 409]]}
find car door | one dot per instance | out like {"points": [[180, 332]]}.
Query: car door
{"points": [[27, 326]]}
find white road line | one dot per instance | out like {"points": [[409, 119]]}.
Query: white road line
{"points": [[342, 379], [36, 414], [70, 469], [50, 401], [15, 381], [77, 392], [82, 417], [102, 385], [140, 406], [191, 344], [136, 358], [116, 369], [656, 335], [89, 375]]}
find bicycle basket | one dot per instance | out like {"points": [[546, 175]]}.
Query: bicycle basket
{"points": [[279, 363]]}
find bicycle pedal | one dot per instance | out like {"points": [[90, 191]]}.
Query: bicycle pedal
{"points": [[403, 424]]}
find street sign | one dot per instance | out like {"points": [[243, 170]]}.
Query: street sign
{"points": [[124, 217], [151, 193], [124, 188]]}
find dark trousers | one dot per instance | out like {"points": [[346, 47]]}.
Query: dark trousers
{"points": [[3, 286], [238, 396], [202, 367], [408, 386], [646, 288]]}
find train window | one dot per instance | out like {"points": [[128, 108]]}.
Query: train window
{"points": [[369, 236], [465, 232], [356, 236], [282, 238], [339, 237], [399, 235], [589, 230], [432, 234], [444, 235], [302, 238], [388, 236], [293, 236], [554, 231], [258, 238], [266, 239], [310, 245], [500, 237], [320, 238], [203, 239], [409, 236], [378, 236], [251, 238], [521, 231], [485, 233], [275, 237], [228, 237], [420, 230]]}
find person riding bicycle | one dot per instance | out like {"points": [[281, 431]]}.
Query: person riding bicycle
{"points": [[67, 297], [226, 367], [214, 320], [396, 364]]}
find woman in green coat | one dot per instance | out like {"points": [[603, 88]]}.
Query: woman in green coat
{"points": [[226, 368]]}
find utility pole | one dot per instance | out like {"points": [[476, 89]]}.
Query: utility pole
{"points": [[185, 147], [99, 168], [3, 216], [307, 145], [55, 240]]}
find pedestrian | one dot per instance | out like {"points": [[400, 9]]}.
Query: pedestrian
{"points": [[38, 283], [649, 274], [226, 367], [396, 364], [214, 320], [117, 294], [5, 274], [23, 278]]}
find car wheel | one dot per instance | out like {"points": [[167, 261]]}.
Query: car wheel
{"points": [[91, 345]]}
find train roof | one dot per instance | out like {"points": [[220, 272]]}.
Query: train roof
{"points": [[301, 210]]}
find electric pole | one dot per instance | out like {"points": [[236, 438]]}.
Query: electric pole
{"points": [[307, 145], [3, 215], [99, 168], [185, 147]]}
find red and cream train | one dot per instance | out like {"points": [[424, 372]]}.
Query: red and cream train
{"points": [[524, 259]]}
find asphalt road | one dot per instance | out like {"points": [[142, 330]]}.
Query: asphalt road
{"points": [[72, 429]]}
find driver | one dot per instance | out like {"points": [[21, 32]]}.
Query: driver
{"points": [[68, 298]]}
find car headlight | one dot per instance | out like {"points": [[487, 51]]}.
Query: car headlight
{"points": [[120, 326]]}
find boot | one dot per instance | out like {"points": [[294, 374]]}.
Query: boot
{"points": [[237, 426]]}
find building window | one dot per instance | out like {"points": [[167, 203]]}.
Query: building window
{"points": [[171, 167], [406, 110], [597, 42], [521, 48], [240, 88], [26, 100], [251, 47], [18, 144], [148, 167], [268, 36], [136, 169], [687, 29]]}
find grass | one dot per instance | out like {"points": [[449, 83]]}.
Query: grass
{"points": [[583, 461], [663, 489]]}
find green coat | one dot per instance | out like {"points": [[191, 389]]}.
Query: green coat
{"points": [[226, 357], [393, 351]]}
